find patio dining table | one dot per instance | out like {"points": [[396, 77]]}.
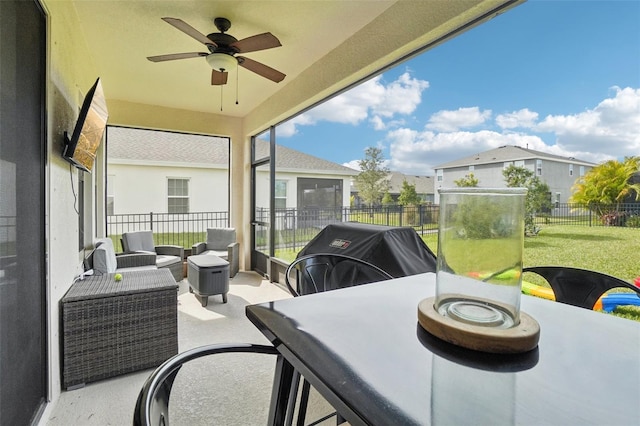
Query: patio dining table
{"points": [[363, 350]]}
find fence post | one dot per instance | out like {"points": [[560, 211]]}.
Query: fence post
{"points": [[151, 220]]}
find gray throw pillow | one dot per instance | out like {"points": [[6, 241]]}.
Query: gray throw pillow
{"points": [[104, 260]]}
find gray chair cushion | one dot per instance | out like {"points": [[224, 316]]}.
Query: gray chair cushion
{"points": [[222, 254], [219, 238], [138, 241], [162, 260], [104, 257]]}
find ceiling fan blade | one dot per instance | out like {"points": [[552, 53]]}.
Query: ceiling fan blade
{"points": [[256, 42], [174, 56], [218, 78], [261, 69], [189, 30]]}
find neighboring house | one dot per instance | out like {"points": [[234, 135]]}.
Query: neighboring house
{"points": [[560, 173], [423, 184], [156, 171]]}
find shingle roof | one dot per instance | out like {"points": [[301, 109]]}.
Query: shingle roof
{"points": [[167, 147], [290, 159], [508, 153], [423, 184], [149, 146]]}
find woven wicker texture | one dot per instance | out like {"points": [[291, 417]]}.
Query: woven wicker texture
{"points": [[115, 327]]}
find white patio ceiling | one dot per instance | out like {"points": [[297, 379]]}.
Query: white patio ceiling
{"points": [[326, 47]]}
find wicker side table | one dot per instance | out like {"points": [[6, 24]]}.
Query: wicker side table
{"points": [[208, 275], [113, 327]]}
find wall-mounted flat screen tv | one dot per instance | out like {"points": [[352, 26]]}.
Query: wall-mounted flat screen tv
{"points": [[80, 150]]}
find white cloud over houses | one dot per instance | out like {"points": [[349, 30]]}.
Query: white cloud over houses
{"points": [[609, 130], [353, 164], [371, 101], [594, 135], [523, 119], [418, 152], [462, 118]]}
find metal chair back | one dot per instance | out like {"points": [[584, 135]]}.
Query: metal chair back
{"points": [[321, 272], [578, 287]]}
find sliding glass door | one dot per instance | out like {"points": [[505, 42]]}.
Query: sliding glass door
{"points": [[23, 355]]}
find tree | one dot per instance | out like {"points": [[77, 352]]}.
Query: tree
{"points": [[607, 185], [537, 198], [467, 181], [371, 180], [387, 199], [408, 194]]}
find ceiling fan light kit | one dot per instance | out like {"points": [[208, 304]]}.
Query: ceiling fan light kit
{"points": [[221, 61]]}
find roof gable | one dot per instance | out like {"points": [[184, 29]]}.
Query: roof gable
{"points": [[509, 153]]}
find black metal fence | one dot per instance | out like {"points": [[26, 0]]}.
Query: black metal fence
{"points": [[294, 228], [184, 229]]}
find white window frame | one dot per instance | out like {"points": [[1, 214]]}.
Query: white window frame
{"points": [[581, 170], [439, 175], [570, 169], [506, 164], [472, 168], [519, 163], [174, 196], [539, 167]]}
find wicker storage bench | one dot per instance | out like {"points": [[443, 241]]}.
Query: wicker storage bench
{"points": [[111, 327]]}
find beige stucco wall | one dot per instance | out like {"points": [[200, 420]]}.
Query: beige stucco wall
{"points": [[71, 73]]}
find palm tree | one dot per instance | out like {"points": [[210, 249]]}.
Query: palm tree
{"points": [[608, 185]]}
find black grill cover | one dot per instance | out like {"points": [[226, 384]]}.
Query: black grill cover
{"points": [[398, 250]]}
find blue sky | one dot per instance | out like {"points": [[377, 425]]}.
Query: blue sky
{"points": [[557, 76]]}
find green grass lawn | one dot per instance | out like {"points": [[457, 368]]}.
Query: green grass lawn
{"points": [[610, 250]]}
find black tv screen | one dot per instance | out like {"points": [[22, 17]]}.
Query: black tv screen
{"points": [[80, 150]]}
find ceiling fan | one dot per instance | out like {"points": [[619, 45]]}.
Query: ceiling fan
{"points": [[223, 49]]}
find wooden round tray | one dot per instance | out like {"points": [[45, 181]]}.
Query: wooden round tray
{"points": [[521, 338]]}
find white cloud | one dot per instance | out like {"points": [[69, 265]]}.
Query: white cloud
{"points": [[419, 152], [522, 118], [462, 118], [400, 97], [612, 126], [287, 129], [370, 100], [353, 164]]}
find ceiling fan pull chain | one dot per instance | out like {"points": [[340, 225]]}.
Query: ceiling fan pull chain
{"points": [[237, 79], [221, 97]]}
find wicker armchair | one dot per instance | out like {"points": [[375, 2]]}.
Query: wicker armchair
{"points": [[221, 242], [167, 256], [103, 259]]}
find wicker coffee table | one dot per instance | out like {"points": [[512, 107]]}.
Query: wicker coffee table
{"points": [[114, 327]]}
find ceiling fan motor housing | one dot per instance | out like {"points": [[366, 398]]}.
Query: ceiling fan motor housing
{"points": [[223, 41]]}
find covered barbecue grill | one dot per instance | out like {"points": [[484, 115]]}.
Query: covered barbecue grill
{"points": [[398, 250]]}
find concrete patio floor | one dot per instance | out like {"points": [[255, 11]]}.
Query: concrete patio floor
{"points": [[229, 389]]}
